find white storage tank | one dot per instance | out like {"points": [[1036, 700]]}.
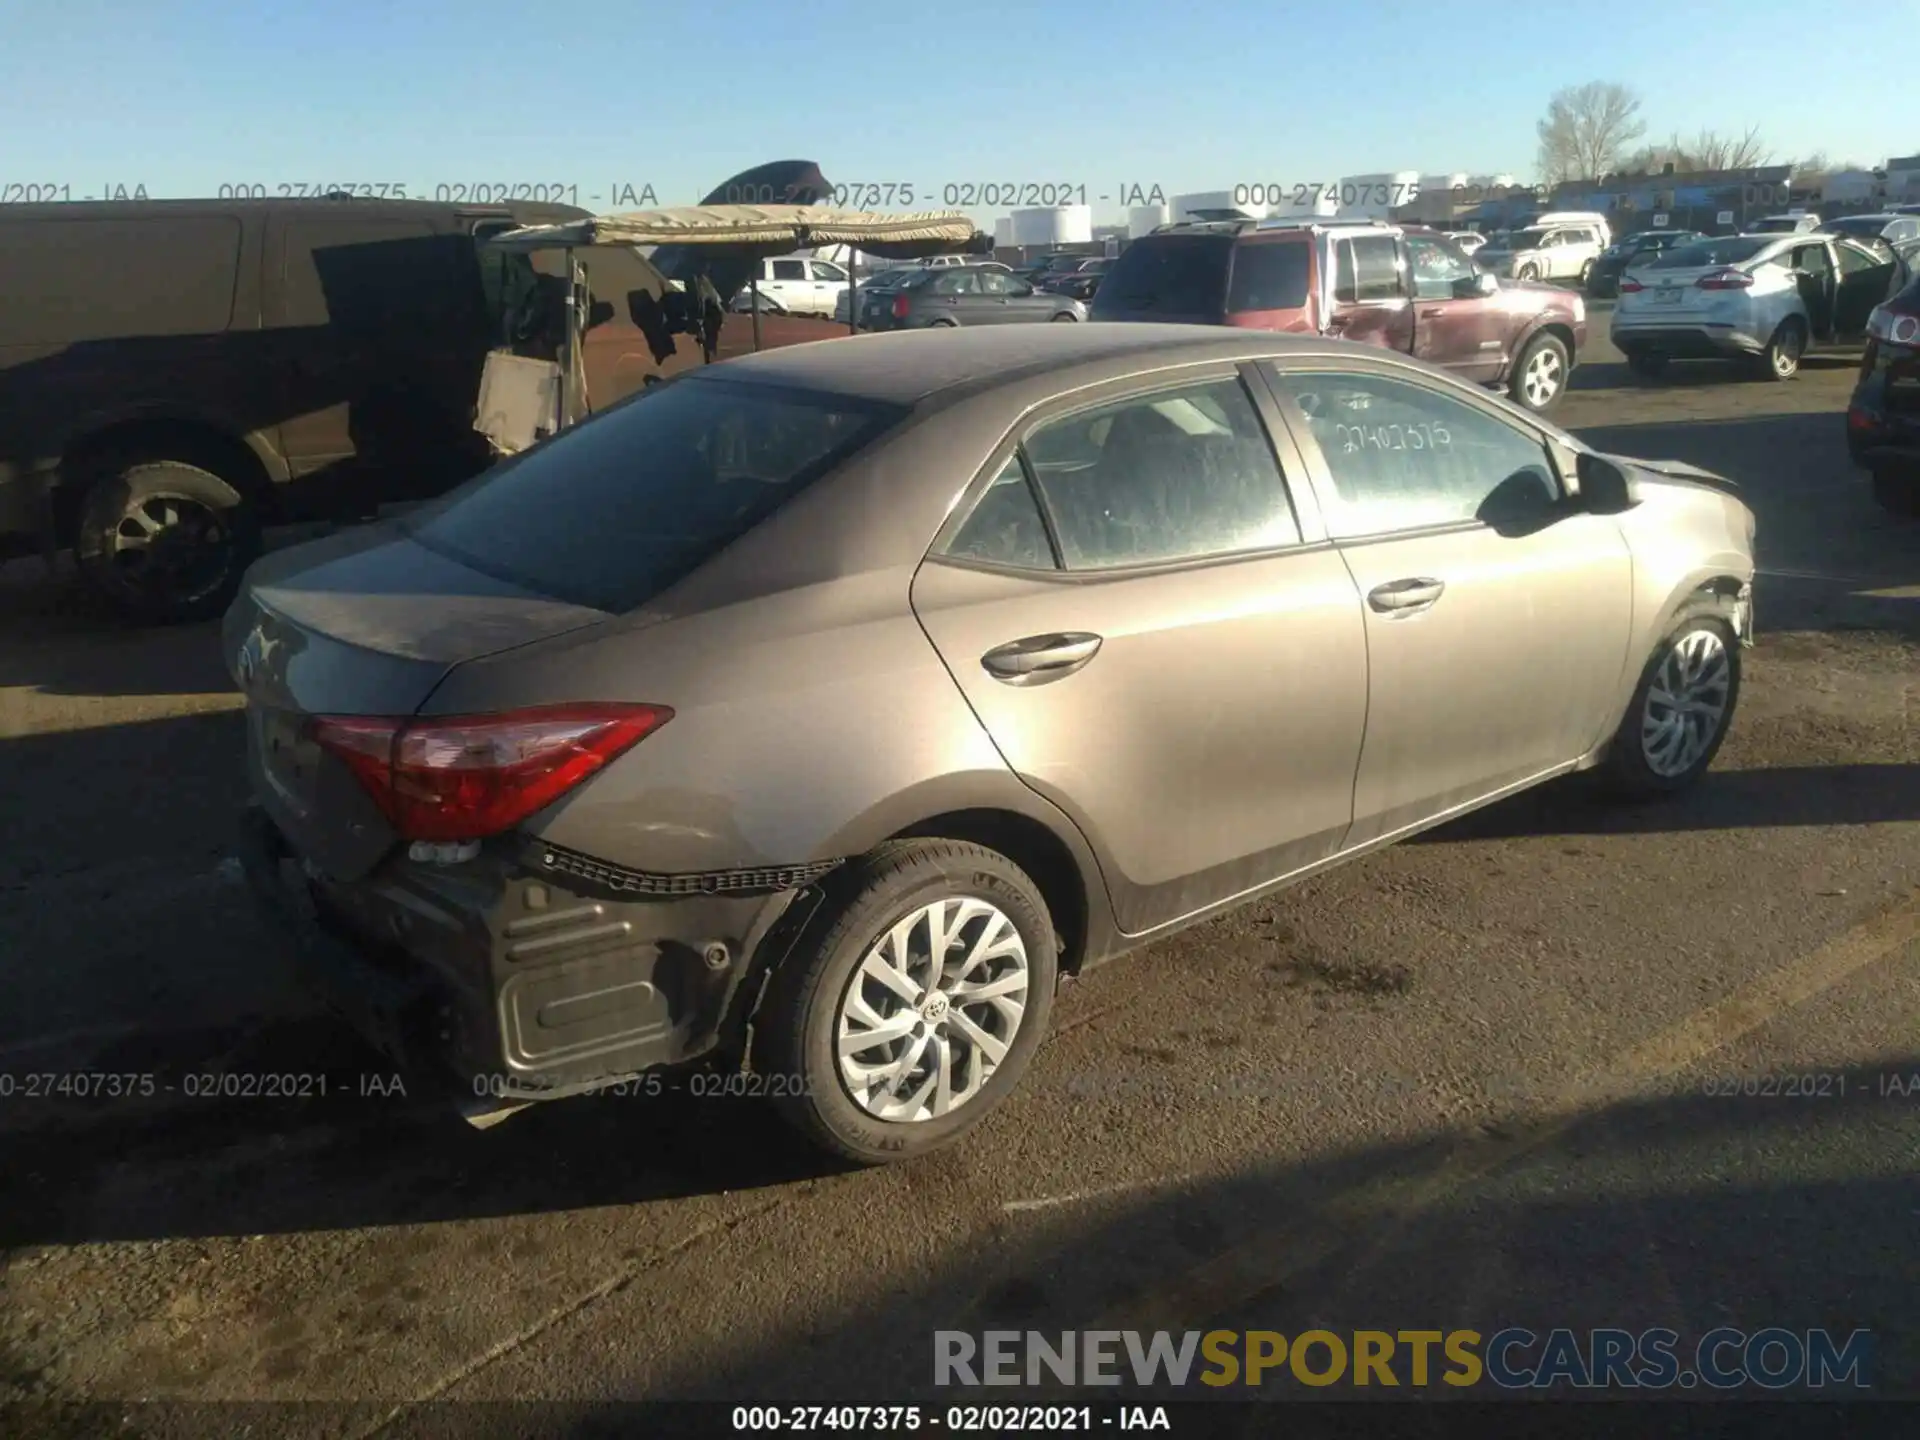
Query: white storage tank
{"points": [[1214, 204], [1145, 219], [1003, 233], [1053, 225], [1307, 203], [1375, 197]]}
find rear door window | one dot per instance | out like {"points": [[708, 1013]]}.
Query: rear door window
{"points": [[1176, 474], [1368, 268], [611, 512], [69, 281], [375, 274], [1269, 275], [789, 269], [1702, 255]]}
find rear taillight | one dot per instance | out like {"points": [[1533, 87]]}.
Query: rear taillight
{"points": [[1892, 326], [902, 306], [465, 777], [1631, 287], [1725, 280]]}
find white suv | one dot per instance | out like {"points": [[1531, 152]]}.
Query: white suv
{"points": [[801, 286], [1546, 250]]}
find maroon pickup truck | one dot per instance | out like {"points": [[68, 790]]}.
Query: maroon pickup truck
{"points": [[1401, 286]]}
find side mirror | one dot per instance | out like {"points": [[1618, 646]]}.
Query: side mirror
{"points": [[1485, 282], [1603, 486]]}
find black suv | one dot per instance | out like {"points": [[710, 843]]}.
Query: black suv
{"points": [[176, 373]]}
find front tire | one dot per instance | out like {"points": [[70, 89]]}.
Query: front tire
{"points": [[1528, 272], [914, 1004], [1066, 315], [166, 542], [1681, 709], [1539, 375], [1586, 273]]}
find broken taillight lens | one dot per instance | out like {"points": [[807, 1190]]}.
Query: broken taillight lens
{"points": [[466, 777]]}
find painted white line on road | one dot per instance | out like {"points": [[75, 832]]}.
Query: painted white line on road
{"points": [[1075, 1197], [1271, 1258]]}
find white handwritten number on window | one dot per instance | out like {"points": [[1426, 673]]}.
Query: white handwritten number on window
{"points": [[1423, 435]]}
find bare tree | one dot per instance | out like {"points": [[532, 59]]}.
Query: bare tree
{"points": [[1709, 150], [1586, 130]]}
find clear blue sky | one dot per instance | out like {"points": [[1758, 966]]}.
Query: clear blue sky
{"points": [[184, 95]]}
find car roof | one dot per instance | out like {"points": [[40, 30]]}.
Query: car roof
{"points": [[908, 367]]}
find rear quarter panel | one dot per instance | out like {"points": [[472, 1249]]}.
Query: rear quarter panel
{"points": [[812, 716]]}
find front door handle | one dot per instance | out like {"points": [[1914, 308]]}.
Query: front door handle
{"points": [[1038, 659], [1406, 597]]}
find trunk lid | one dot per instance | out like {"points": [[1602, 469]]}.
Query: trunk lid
{"points": [[364, 623]]}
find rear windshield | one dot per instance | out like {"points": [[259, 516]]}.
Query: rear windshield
{"points": [[1168, 274], [1734, 250], [1269, 276], [1857, 225], [613, 511]]}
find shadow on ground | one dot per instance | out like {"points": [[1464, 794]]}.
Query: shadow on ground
{"points": [[1689, 1213], [1722, 800]]}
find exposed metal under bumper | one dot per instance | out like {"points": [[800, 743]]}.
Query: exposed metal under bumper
{"points": [[484, 1114], [760, 880]]}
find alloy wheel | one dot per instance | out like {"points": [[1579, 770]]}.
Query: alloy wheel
{"points": [[932, 1010], [1543, 377], [1686, 703], [167, 547]]}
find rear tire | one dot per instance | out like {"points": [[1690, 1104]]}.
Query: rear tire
{"points": [[166, 542], [1781, 359], [1586, 273], [1066, 316], [1668, 738], [1897, 492], [827, 990], [1528, 272], [1647, 364], [943, 325]]}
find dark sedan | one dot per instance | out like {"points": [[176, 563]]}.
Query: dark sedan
{"points": [[969, 295], [1079, 283], [1603, 281], [1883, 418]]}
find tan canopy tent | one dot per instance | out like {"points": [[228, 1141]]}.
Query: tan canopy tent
{"points": [[736, 237], [776, 229]]}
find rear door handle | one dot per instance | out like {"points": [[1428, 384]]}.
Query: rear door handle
{"points": [[1406, 597], [1038, 659]]}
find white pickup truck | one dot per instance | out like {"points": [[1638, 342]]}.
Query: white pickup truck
{"points": [[797, 285]]}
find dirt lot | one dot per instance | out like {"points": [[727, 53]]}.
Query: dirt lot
{"points": [[1470, 1081]]}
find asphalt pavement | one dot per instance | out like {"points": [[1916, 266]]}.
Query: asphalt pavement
{"points": [[1562, 1064]]}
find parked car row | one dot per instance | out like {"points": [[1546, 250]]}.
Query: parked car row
{"points": [[1402, 287]]}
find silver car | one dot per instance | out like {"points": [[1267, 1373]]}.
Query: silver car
{"points": [[1764, 298], [1545, 252], [816, 712]]}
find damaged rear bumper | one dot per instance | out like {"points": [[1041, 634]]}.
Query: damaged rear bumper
{"points": [[528, 972]]}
